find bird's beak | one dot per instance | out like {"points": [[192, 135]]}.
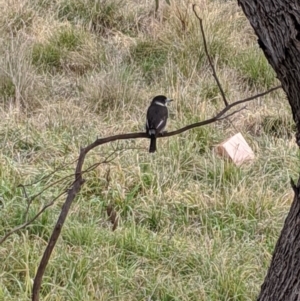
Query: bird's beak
{"points": [[169, 100]]}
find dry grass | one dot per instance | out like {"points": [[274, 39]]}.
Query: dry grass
{"points": [[191, 226]]}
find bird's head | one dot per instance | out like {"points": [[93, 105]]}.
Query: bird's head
{"points": [[161, 100]]}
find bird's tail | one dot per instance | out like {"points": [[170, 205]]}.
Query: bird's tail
{"points": [[152, 148]]}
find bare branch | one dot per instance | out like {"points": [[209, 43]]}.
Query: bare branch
{"points": [[220, 114], [217, 117], [209, 58], [57, 229], [73, 191]]}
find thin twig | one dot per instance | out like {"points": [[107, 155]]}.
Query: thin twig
{"points": [[48, 175], [20, 227], [209, 58], [47, 187], [30, 199], [106, 161]]}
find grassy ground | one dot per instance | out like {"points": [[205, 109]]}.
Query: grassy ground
{"points": [[191, 226]]}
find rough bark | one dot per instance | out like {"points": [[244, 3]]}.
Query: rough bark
{"points": [[283, 279], [277, 26]]}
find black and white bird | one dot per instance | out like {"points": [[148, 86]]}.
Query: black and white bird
{"points": [[157, 116]]}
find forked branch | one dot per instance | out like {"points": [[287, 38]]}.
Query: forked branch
{"points": [[74, 190]]}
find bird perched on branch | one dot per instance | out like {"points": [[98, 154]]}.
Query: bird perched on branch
{"points": [[157, 116]]}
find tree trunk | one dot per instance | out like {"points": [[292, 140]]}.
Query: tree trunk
{"points": [[283, 279], [277, 26]]}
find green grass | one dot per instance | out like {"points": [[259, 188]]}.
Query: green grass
{"points": [[255, 68], [52, 54], [191, 225], [7, 88], [150, 57], [279, 126], [96, 16]]}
